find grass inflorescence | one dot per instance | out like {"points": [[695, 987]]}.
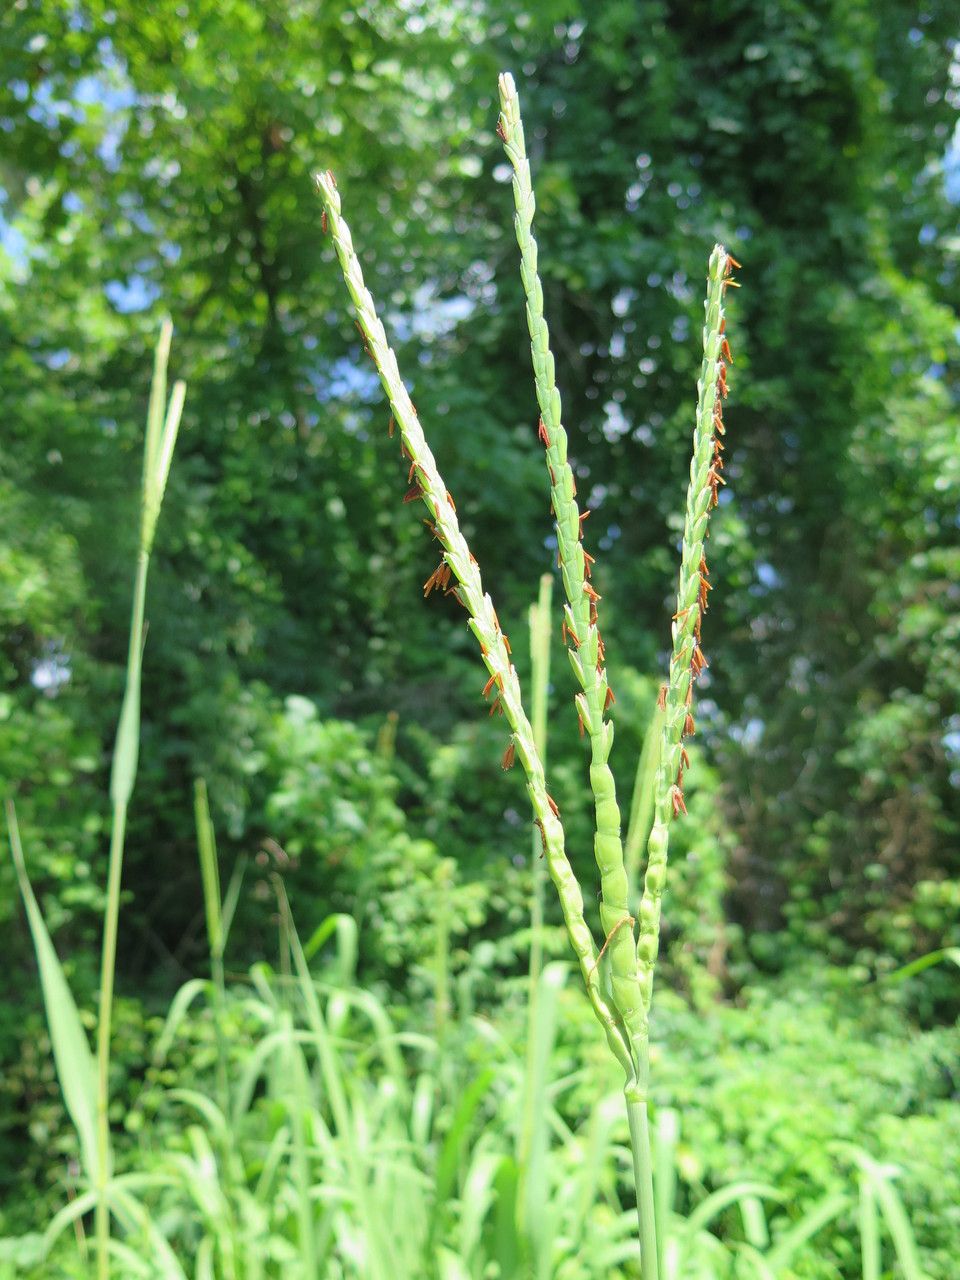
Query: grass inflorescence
{"points": [[619, 990]]}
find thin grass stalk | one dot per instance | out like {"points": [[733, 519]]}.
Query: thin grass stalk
{"points": [[676, 700], [532, 1097], [580, 626], [443, 882], [334, 1084], [642, 799], [213, 912], [539, 688], [160, 439], [298, 1104], [457, 561]]}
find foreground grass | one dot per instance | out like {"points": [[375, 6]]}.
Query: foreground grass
{"points": [[293, 1124]]}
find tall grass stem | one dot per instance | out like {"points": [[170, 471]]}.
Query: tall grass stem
{"points": [[161, 435]]}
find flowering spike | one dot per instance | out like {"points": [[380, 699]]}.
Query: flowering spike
{"points": [[481, 619], [687, 660]]}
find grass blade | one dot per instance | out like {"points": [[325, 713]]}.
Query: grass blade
{"points": [[76, 1071]]}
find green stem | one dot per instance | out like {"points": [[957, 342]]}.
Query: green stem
{"points": [[161, 436], [540, 681], [643, 1181], [121, 786], [641, 804]]}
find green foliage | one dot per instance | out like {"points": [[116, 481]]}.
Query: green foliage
{"points": [[755, 1150], [331, 808]]}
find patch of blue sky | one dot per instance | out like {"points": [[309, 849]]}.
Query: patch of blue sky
{"points": [[429, 317], [133, 294]]}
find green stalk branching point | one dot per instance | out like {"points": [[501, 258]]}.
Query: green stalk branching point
{"points": [[580, 625], [687, 660], [457, 562]]}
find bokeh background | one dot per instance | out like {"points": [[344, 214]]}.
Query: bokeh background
{"points": [[156, 158]]}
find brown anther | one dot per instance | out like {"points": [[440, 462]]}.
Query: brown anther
{"points": [[506, 642], [501, 131], [714, 479], [323, 222], [684, 758], [588, 560], [509, 756], [702, 595], [601, 650], [543, 434], [589, 592], [553, 478], [567, 630], [331, 179], [735, 284], [404, 451], [732, 262], [555, 808], [725, 351], [676, 796], [390, 426], [413, 494], [583, 516], [496, 705], [609, 700], [411, 472], [451, 501], [662, 698], [543, 836], [688, 725], [495, 679], [593, 615]]}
